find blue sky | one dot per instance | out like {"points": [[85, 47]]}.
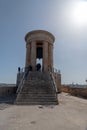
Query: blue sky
{"points": [[60, 17]]}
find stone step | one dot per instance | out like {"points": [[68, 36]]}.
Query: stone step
{"points": [[39, 83], [39, 75], [41, 88], [37, 89], [37, 103], [38, 94], [36, 97], [43, 84]]}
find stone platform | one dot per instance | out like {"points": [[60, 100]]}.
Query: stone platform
{"points": [[70, 114]]}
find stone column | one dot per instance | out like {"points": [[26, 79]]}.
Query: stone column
{"points": [[33, 54], [51, 57], [27, 54], [45, 56]]}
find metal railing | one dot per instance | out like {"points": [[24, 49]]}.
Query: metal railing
{"points": [[56, 71], [53, 82], [21, 83], [22, 71]]}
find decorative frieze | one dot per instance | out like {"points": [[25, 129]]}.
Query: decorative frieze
{"points": [[39, 35]]}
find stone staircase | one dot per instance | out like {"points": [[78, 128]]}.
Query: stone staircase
{"points": [[37, 89]]}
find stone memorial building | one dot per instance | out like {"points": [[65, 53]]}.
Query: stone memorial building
{"points": [[38, 83]]}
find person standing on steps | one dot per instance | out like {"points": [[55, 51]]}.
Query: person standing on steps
{"points": [[27, 70], [38, 67]]}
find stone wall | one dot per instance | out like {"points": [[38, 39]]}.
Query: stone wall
{"points": [[64, 88], [7, 90], [79, 92]]}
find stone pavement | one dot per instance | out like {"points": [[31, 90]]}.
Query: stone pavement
{"points": [[70, 114]]}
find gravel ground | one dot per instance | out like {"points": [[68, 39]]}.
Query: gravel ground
{"points": [[70, 114]]}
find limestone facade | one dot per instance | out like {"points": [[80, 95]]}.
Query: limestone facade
{"points": [[39, 44]]}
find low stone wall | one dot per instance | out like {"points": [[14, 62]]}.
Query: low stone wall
{"points": [[65, 89], [79, 92], [7, 90]]}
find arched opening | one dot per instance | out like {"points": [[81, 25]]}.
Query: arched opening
{"points": [[39, 55]]}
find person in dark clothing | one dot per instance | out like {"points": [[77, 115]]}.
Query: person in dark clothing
{"points": [[27, 70], [30, 68], [38, 67], [19, 69]]}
